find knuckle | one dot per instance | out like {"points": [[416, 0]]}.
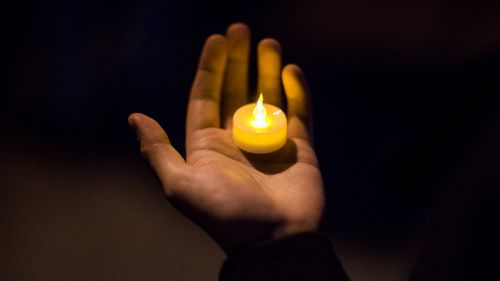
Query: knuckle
{"points": [[148, 151]]}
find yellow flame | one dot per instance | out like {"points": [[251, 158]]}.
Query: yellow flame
{"points": [[260, 114]]}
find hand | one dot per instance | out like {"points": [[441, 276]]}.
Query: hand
{"points": [[235, 196]]}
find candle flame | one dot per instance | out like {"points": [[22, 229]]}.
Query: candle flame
{"points": [[260, 114]]}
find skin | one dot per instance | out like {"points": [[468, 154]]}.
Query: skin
{"points": [[235, 196]]}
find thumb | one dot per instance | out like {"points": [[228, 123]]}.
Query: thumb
{"points": [[168, 164]]}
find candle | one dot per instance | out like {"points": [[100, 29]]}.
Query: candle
{"points": [[259, 127]]}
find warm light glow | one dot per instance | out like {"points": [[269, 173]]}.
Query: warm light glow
{"points": [[259, 113], [259, 127]]}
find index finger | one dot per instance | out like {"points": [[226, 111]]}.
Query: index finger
{"points": [[204, 99]]}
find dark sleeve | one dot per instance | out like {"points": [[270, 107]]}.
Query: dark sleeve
{"points": [[305, 256]]}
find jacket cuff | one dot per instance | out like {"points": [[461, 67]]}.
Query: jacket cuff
{"points": [[304, 256]]}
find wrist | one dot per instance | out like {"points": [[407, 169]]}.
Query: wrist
{"points": [[296, 227]]}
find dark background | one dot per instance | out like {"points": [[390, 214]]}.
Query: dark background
{"points": [[403, 93]]}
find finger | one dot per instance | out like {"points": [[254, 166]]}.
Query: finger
{"points": [[269, 68], [167, 163], [204, 100], [298, 103], [235, 90]]}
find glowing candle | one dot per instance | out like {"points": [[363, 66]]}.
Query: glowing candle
{"points": [[259, 127]]}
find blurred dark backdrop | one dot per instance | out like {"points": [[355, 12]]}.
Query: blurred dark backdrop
{"points": [[403, 93]]}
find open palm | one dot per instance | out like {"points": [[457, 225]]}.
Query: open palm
{"points": [[235, 196]]}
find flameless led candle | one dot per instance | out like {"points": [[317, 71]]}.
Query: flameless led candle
{"points": [[259, 127]]}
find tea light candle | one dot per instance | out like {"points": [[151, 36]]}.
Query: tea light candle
{"points": [[259, 127]]}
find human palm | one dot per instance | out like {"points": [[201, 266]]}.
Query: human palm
{"points": [[238, 197]]}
